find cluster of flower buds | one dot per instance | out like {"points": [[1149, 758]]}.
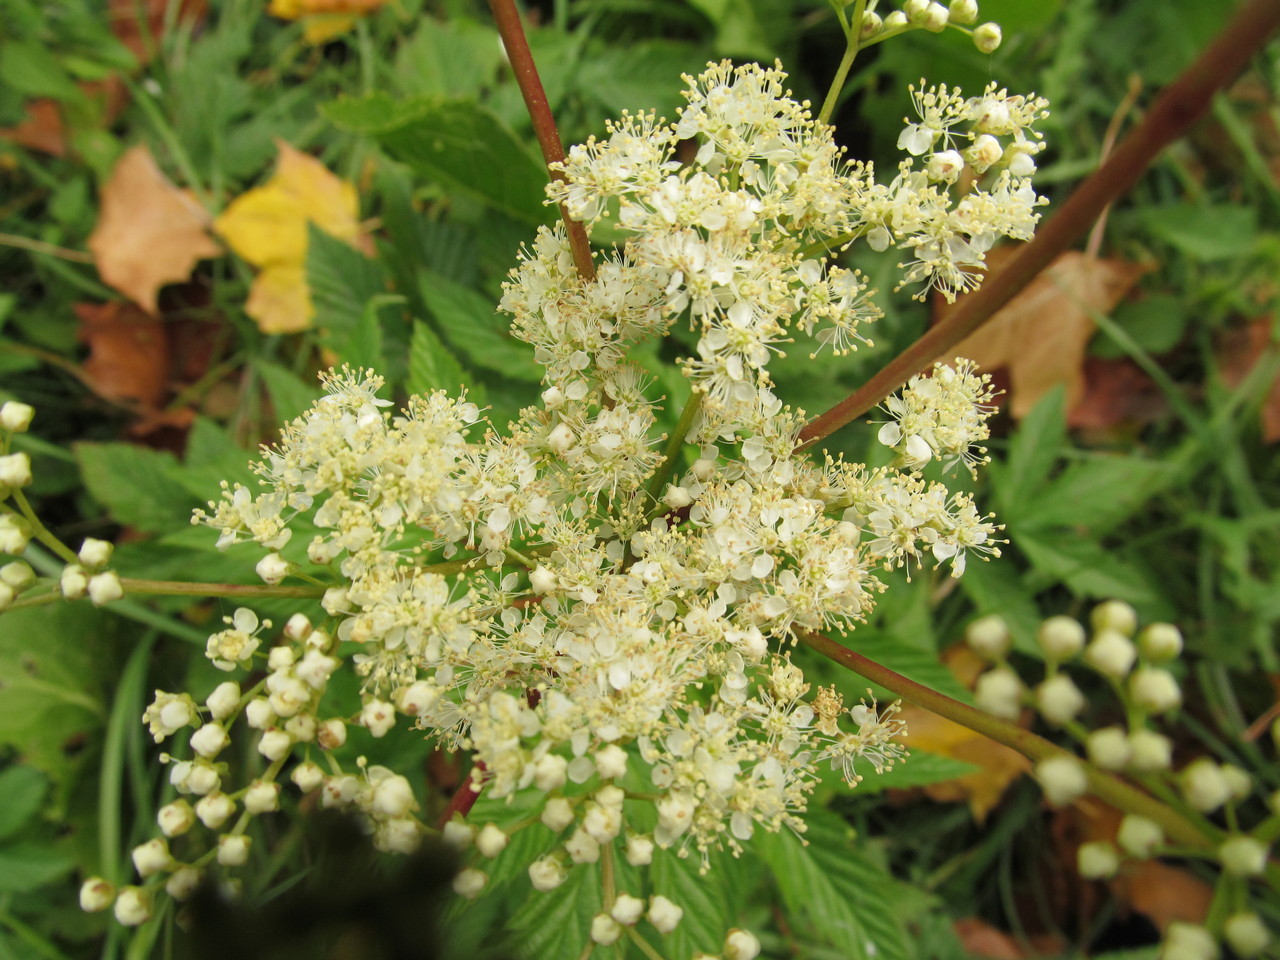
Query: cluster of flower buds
{"points": [[932, 16], [1140, 668]]}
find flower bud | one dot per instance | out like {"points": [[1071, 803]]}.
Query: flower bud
{"points": [[16, 417], [176, 818], [896, 20], [1247, 934], [470, 882], [1151, 751], [95, 554], [985, 153], [210, 740], [458, 834], [1139, 836], [215, 809], [557, 814], [663, 914], [964, 11], [224, 700], [742, 944], [999, 693], [1239, 783], [275, 743], [935, 18], [605, 930], [987, 37], [15, 471], [547, 873], [627, 910], [182, 883], [1111, 653], [152, 857], [233, 849], [95, 893], [307, 776], [1059, 699], [1061, 638], [378, 717], [273, 568], [74, 582], [1243, 856], [133, 906], [1062, 778], [1114, 615], [611, 762], [871, 25], [1098, 860], [988, 637], [17, 575], [639, 851], [916, 10], [104, 588], [561, 439], [491, 840], [15, 534], [541, 580], [258, 713], [1203, 785], [1159, 642], [1154, 690], [1109, 748], [582, 847], [1188, 941], [263, 796]]}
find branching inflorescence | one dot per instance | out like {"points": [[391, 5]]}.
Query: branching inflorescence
{"points": [[601, 621]]}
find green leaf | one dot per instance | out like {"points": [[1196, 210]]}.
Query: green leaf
{"points": [[830, 886], [448, 58], [22, 788], [344, 283], [1086, 568], [914, 663], [32, 69], [139, 487], [290, 395], [1034, 450], [1096, 494], [558, 923], [1155, 322], [1208, 233], [708, 911], [431, 365], [997, 588], [468, 321], [26, 866], [918, 770], [457, 143], [738, 28]]}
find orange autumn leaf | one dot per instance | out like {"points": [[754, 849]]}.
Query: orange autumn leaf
{"points": [[1239, 349], [323, 19], [128, 353], [267, 226], [149, 233], [139, 24], [1041, 335]]}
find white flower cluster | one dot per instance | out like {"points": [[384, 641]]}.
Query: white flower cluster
{"points": [[1137, 665], [595, 617]]}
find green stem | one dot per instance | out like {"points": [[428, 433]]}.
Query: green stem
{"points": [[644, 945], [124, 715], [1178, 107], [511, 29], [39, 246], [183, 588], [1104, 786], [674, 444], [30, 936], [853, 40], [40, 532]]}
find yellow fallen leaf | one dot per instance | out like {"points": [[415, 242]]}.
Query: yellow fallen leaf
{"points": [[149, 233], [323, 19], [1041, 334], [267, 226]]}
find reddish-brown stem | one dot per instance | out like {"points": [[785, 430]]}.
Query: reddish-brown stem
{"points": [[1179, 106], [463, 799], [511, 29]]}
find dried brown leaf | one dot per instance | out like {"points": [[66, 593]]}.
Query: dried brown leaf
{"points": [[128, 353]]}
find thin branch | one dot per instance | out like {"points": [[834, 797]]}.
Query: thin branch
{"points": [[1178, 107], [511, 29]]}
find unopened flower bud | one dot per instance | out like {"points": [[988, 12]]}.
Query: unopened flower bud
{"points": [[627, 910], [663, 914], [1061, 638], [307, 776], [1058, 699], [1247, 934], [378, 717], [17, 575], [677, 497], [605, 930], [152, 857], [916, 10], [896, 20], [275, 743], [1111, 653], [224, 700], [104, 588], [1188, 941], [1154, 690], [1151, 751], [133, 906], [16, 417], [1098, 860], [1139, 836], [273, 568], [1114, 615], [182, 883], [561, 439], [987, 37], [95, 554], [1109, 748], [541, 580], [988, 637], [331, 734], [258, 713], [1243, 856], [1159, 642], [871, 25], [233, 849], [639, 851], [210, 740], [611, 762], [175, 819], [985, 153], [15, 534], [1062, 778], [263, 796], [999, 693], [215, 809], [557, 814], [470, 882], [1203, 785], [742, 944], [491, 840], [935, 18], [964, 11], [582, 847], [96, 894], [1239, 783], [74, 582], [15, 471]]}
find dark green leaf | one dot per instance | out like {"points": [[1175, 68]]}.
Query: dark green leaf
{"points": [[1208, 233], [1096, 494], [468, 321], [343, 283], [1086, 568], [450, 58], [22, 788], [140, 488], [708, 912], [290, 395], [1034, 450], [26, 866], [35, 71], [919, 770], [558, 923], [457, 143], [431, 365]]}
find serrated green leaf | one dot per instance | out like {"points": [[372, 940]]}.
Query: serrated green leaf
{"points": [[140, 488], [1034, 450], [33, 69], [344, 283], [919, 770], [1097, 494], [468, 322], [26, 866], [213, 456], [558, 923], [831, 886], [1087, 568], [290, 395], [448, 58], [1209, 233], [708, 914], [997, 588], [915, 663], [457, 143], [431, 365], [22, 788]]}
